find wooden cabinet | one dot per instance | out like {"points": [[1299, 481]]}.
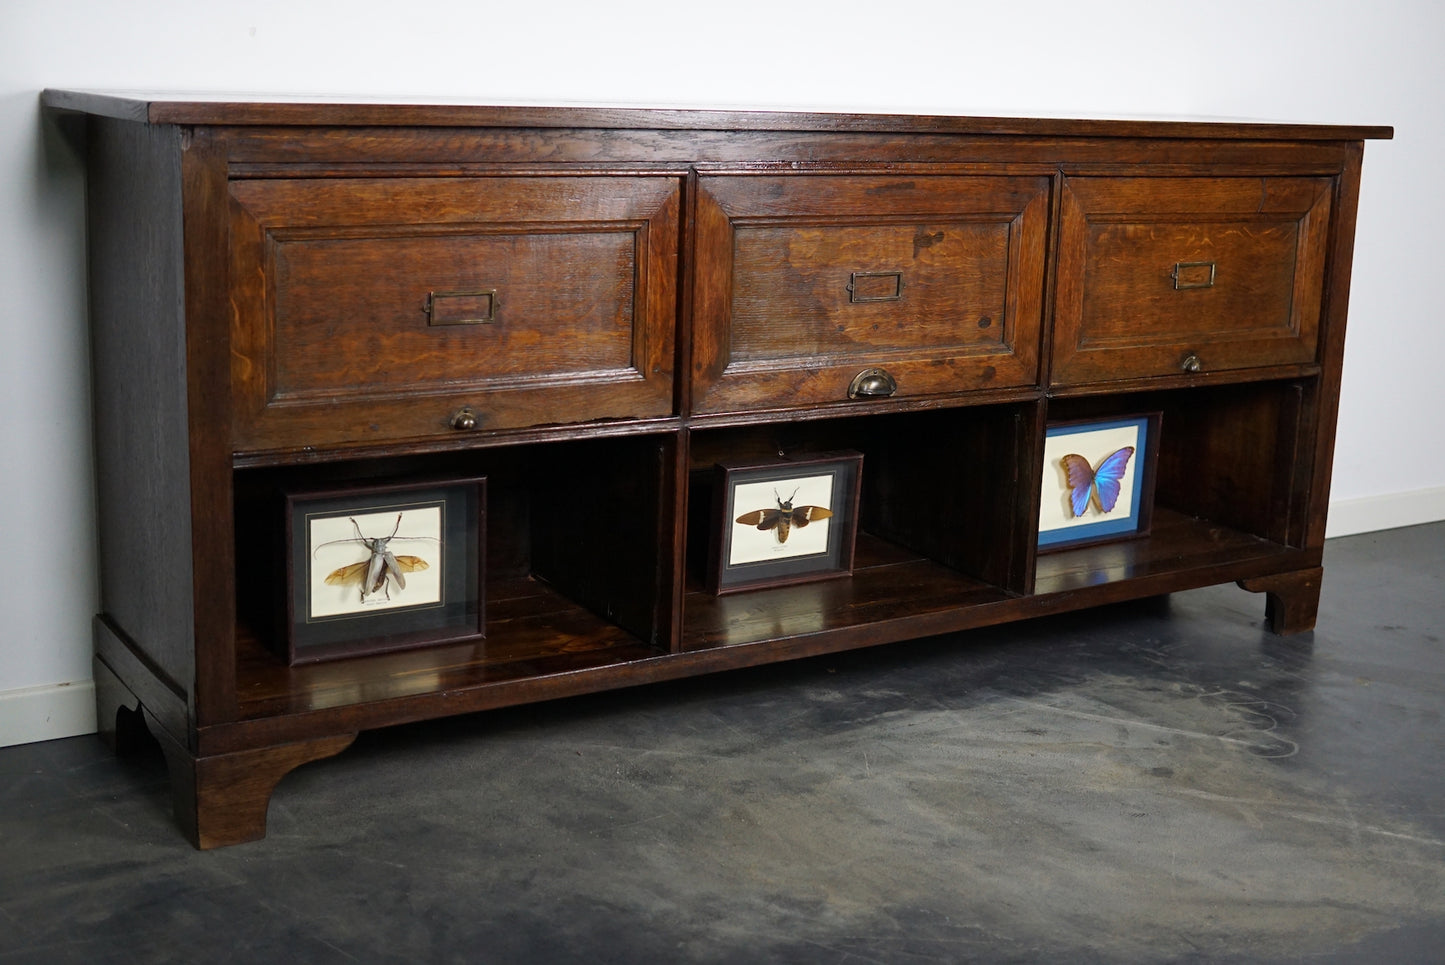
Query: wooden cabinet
{"points": [[592, 309]]}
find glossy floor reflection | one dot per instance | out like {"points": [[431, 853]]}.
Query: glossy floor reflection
{"points": [[1162, 781]]}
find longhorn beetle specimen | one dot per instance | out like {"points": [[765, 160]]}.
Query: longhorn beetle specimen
{"points": [[785, 517], [382, 565]]}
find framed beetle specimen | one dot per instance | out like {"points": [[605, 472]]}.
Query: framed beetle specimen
{"points": [[1098, 480], [384, 568], [784, 522]]}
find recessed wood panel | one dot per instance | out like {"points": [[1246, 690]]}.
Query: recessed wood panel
{"points": [[373, 309], [806, 280], [1178, 276], [797, 294], [364, 317]]}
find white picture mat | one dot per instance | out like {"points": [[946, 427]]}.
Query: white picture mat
{"points": [[752, 545], [1095, 445], [419, 534]]}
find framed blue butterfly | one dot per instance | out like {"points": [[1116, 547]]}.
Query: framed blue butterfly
{"points": [[1098, 477], [1102, 484]]}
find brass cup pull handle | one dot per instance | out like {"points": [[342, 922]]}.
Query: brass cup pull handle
{"points": [[464, 420], [1191, 364], [872, 384]]}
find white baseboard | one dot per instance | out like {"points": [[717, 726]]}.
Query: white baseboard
{"points": [[47, 713], [1369, 514], [68, 710]]}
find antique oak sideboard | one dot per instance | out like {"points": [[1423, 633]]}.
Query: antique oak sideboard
{"points": [[593, 308]]}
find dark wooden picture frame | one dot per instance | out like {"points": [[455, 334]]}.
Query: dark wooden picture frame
{"points": [[349, 551], [1097, 444], [767, 531]]}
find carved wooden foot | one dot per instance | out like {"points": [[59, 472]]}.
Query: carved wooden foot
{"points": [[1292, 600], [222, 800], [120, 721]]}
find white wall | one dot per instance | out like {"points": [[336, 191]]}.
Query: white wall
{"points": [[1307, 60]]}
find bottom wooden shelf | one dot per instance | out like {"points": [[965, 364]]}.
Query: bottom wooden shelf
{"points": [[889, 584], [895, 595], [536, 635], [1180, 552], [532, 631]]}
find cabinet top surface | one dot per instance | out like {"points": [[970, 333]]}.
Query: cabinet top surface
{"points": [[281, 110]]}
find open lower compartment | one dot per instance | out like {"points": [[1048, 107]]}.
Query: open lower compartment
{"points": [[943, 524], [577, 572], [1231, 490]]}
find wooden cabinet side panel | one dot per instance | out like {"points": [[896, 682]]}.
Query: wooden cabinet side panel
{"points": [[208, 320], [958, 487], [138, 357], [608, 544], [1332, 353]]}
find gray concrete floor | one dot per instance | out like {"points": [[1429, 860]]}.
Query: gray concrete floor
{"points": [[1155, 782]]}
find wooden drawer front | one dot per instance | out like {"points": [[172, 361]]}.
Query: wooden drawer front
{"points": [[1163, 276], [803, 281], [374, 309]]}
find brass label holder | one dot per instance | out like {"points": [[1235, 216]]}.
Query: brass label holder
{"points": [[476, 307], [1192, 274], [875, 286]]}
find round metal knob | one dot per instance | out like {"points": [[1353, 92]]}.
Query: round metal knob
{"points": [[465, 419], [1191, 364], [872, 384]]}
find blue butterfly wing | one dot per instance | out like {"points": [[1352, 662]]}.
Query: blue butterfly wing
{"points": [[1109, 476]]}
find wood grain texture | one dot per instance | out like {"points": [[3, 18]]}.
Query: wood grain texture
{"points": [[219, 108], [1292, 599], [601, 530], [1180, 552], [1316, 462], [950, 297], [221, 800], [207, 332], [334, 341], [1154, 271], [954, 487], [141, 407]]}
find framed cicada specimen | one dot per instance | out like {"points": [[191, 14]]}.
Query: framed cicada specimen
{"points": [[384, 567], [784, 522]]}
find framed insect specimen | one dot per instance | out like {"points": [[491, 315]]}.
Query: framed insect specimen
{"points": [[784, 522], [1098, 481], [387, 567]]}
